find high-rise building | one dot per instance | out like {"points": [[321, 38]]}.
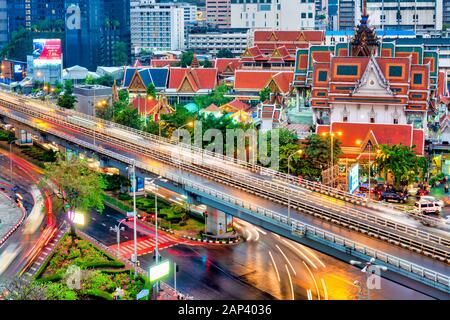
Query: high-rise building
{"points": [[84, 33], [95, 31], [273, 14], [446, 13], [218, 12], [422, 16], [3, 23], [156, 26], [332, 11], [347, 13], [34, 13], [116, 34]]}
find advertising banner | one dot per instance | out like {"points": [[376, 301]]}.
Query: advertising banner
{"points": [[47, 52], [353, 178]]}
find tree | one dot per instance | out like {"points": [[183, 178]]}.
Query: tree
{"points": [[318, 149], [186, 59], [206, 63], [217, 96], [89, 80], [128, 117], [80, 188], [120, 53], [401, 161], [67, 100], [264, 94], [225, 53], [124, 96], [151, 91], [105, 80]]}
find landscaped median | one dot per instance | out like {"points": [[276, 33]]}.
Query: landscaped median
{"points": [[171, 217], [100, 274]]}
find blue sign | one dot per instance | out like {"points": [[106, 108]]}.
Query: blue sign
{"points": [[353, 178], [142, 294]]}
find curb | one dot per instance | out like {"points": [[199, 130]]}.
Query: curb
{"points": [[211, 241]]}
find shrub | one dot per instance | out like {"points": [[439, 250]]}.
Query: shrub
{"points": [[124, 196]]}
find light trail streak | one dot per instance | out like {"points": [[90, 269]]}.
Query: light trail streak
{"points": [[290, 282], [301, 253], [314, 279], [275, 266]]}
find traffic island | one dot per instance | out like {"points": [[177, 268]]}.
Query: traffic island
{"points": [[79, 270]]}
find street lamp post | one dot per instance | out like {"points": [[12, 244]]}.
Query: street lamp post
{"points": [[117, 229], [289, 167], [160, 178], [133, 169], [10, 161]]}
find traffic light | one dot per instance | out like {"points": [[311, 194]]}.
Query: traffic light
{"points": [[176, 268], [205, 214]]}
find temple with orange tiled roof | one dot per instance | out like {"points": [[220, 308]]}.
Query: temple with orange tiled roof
{"points": [[249, 83], [409, 75], [186, 83], [368, 81], [153, 108], [368, 92]]}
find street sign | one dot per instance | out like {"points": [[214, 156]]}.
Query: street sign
{"points": [[159, 270], [142, 294], [130, 214]]}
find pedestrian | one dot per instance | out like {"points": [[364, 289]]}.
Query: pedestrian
{"points": [[446, 188]]}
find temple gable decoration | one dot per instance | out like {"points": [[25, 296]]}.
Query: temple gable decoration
{"points": [[373, 81]]}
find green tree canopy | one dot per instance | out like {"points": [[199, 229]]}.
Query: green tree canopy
{"points": [[401, 161], [129, 117], [225, 53], [120, 53], [186, 59], [264, 94], [217, 96], [151, 90]]}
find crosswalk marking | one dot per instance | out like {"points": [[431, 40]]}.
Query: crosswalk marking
{"points": [[145, 245]]}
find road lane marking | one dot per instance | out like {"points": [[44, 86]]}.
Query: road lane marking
{"points": [[275, 265], [300, 253], [289, 262], [104, 224], [314, 279], [308, 292], [290, 282], [325, 291]]}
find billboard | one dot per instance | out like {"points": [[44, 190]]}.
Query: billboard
{"points": [[353, 178], [47, 52]]}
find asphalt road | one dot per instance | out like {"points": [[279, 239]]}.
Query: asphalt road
{"points": [[247, 271]]}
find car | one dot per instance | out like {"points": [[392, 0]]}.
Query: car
{"points": [[433, 199], [393, 196], [427, 207]]}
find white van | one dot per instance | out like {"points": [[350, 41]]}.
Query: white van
{"points": [[427, 207]]}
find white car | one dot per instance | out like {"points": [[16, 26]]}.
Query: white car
{"points": [[427, 207], [433, 199]]}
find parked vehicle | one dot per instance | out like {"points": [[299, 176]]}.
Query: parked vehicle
{"points": [[427, 207], [421, 192], [393, 196]]}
